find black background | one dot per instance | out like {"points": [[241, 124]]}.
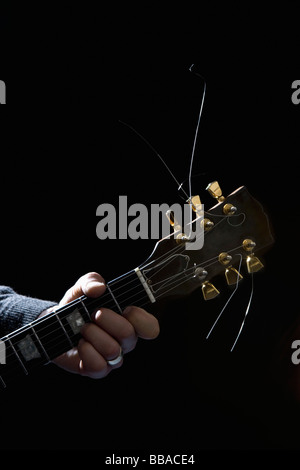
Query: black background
{"points": [[72, 73]]}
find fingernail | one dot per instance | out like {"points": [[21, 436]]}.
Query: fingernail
{"points": [[98, 315]]}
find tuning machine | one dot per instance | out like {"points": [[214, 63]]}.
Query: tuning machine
{"points": [[209, 291], [196, 205], [180, 236], [232, 275], [215, 191], [195, 202], [253, 262]]}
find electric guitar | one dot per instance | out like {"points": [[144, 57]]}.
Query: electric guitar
{"points": [[235, 230]]}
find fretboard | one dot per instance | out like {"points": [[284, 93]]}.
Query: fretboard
{"points": [[48, 337]]}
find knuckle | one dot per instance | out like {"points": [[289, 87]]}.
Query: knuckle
{"points": [[93, 276]]}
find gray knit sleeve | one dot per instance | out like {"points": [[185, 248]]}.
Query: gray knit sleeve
{"points": [[18, 310]]}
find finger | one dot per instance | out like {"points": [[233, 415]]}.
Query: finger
{"points": [[69, 361], [116, 326], [91, 285], [104, 344], [145, 324], [92, 364]]}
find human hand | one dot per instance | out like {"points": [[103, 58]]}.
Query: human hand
{"points": [[107, 335]]}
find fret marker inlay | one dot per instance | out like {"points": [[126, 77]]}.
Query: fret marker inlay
{"points": [[28, 349], [75, 321]]}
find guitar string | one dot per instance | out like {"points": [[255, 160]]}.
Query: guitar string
{"points": [[193, 148], [172, 285], [228, 300], [54, 320], [195, 139], [192, 269], [61, 309], [147, 302], [196, 131], [246, 313], [48, 345], [155, 151], [171, 288], [183, 280]]}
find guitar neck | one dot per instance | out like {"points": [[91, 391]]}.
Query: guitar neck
{"points": [[48, 337]]}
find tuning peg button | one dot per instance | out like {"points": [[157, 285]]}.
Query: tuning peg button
{"points": [[215, 191], [224, 258], [253, 264], [232, 276], [209, 291], [249, 245], [200, 273], [207, 224], [196, 204], [180, 237], [229, 209]]}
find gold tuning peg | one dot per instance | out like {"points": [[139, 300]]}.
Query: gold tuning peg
{"points": [[173, 222], [209, 291], [232, 275], [180, 237], [253, 263], [215, 191], [196, 204], [207, 224]]}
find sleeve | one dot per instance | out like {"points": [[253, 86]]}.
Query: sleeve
{"points": [[18, 310]]}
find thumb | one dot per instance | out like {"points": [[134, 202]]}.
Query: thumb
{"points": [[91, 285]]}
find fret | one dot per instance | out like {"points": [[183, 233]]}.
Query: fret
{"points": [[85, 308], [2, 382], [2, 352], [106, 300], [22, 355], [64, 330], [28, 348], [41, 345], [127, 290], [114, 299], [53, 335], [12, 366], [17, 356], [48, 337]]}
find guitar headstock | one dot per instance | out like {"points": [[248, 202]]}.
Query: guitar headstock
{"points": [[236, 230]]}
